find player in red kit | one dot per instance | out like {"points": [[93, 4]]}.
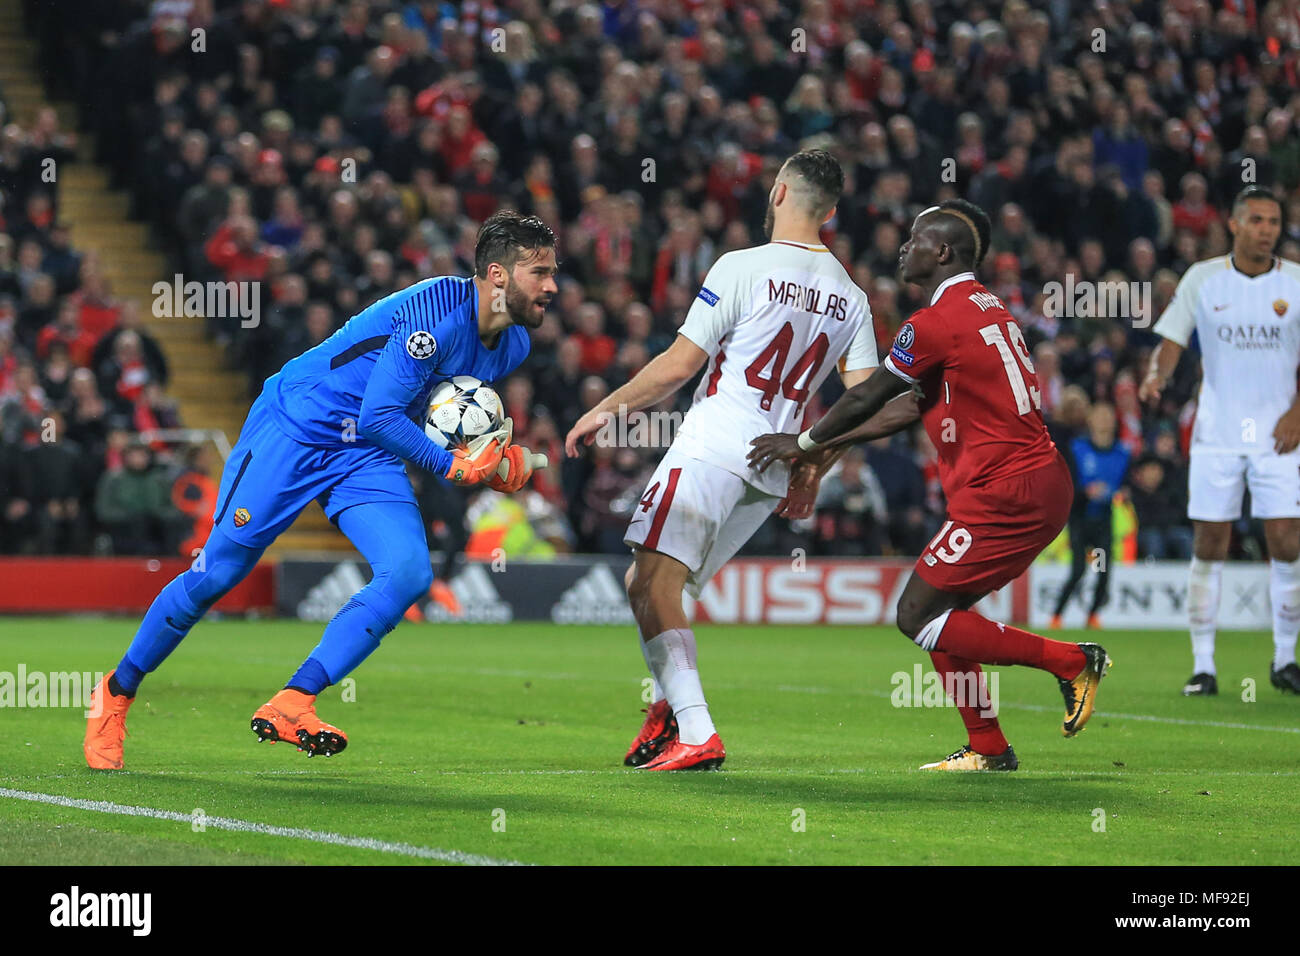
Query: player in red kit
{"points": [[962, 366]]}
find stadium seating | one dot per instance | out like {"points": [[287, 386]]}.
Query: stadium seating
{"points": [[1016, 108]]}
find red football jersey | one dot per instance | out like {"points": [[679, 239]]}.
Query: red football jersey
{"points": [[979, 395]]}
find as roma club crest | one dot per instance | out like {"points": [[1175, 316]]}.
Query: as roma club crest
{"points": [[1280, 306], [242, 517]]}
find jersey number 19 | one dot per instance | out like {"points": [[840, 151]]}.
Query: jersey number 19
{"points": [[1027, 396]]}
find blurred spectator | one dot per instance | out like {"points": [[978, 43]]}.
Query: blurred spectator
{"points": [[598, 349], [77, 343], [194, 497], [1100, 464], [87, 413], [852, 513], [1118, 143], [21, 405], [1162, 524], [124, 374], [236, 252], [54, 474], [900, 480], [61, 260], [558, 386], [56, 374], [615, 487], [517, 398], [38, 310], [480, 186], [544, 436], [134, 505]]}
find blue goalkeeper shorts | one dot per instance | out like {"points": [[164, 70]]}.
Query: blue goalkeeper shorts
{"points": [[270, 478]]}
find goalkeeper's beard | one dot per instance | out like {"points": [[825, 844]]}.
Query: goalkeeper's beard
{"points": [[520, 307]]}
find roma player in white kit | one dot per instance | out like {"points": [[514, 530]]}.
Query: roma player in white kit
{"points": [[768, 326], [1245, 308]]}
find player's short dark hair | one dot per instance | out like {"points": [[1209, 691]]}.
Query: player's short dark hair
{"points": [[1254, 192], [822, 173], [971, 247], [505, 237]]}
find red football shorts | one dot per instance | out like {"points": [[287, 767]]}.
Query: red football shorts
{"points": [[993, 533]]}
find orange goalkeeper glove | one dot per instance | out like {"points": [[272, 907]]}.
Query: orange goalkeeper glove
{"points": [[517, 466], [480, 460]]}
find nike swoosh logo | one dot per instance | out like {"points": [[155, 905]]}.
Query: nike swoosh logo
{"points": [[1220, 308]]}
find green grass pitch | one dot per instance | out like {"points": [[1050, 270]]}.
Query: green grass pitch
{"points": [[506, 743]]}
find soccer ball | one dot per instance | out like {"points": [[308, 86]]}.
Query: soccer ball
{"points": [[460, 410]]}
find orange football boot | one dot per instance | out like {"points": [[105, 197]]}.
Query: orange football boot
{"points": [[679, 756], [658, 731], [106, 727], [291, 716], [442, 593]]}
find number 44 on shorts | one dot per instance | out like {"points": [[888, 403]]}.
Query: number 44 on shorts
{"points": [[955, 543]]}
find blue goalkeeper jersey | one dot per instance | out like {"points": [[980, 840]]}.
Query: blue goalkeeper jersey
{"points": [[369, 383]]}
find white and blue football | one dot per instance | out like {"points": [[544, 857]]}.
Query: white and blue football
{"points": [[460, 410]]}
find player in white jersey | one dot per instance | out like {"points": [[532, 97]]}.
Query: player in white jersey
{"points": [[1245, 308], [770, 322]]}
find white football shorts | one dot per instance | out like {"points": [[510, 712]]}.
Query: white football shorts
{"points": [[1216, 483], [699, 514]]}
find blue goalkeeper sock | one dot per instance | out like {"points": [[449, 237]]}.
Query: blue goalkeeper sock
{"points": [[311, 678], [391, 537], [126, 679], [350, 637], [184, 600]]}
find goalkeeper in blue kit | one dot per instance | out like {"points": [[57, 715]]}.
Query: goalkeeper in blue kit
{"points": [[334, 425]]}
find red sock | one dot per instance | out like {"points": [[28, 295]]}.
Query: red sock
{"points": [[981, 724], [976, 638]]}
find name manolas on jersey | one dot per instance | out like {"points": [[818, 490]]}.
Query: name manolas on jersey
{"points": [[1249, 331], [378, 371], [774, 319], [966, 357]]}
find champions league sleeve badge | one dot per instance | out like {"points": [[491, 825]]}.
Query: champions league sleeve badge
{"points": [[420, 345]]}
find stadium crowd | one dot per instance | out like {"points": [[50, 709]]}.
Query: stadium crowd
{"points": [[80, 380], [338, 150]]}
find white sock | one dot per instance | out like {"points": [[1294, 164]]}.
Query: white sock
{"points": [[671, 656], [1203, 612], [1284, 595], [657, 691]]}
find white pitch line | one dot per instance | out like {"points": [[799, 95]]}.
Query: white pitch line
{"points": [[265, 829]]}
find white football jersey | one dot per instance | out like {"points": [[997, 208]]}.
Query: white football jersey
{"points": [[1249, 331], [775, 319]]}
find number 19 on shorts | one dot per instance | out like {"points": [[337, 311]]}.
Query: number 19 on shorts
{"points": [[948, 546]]}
